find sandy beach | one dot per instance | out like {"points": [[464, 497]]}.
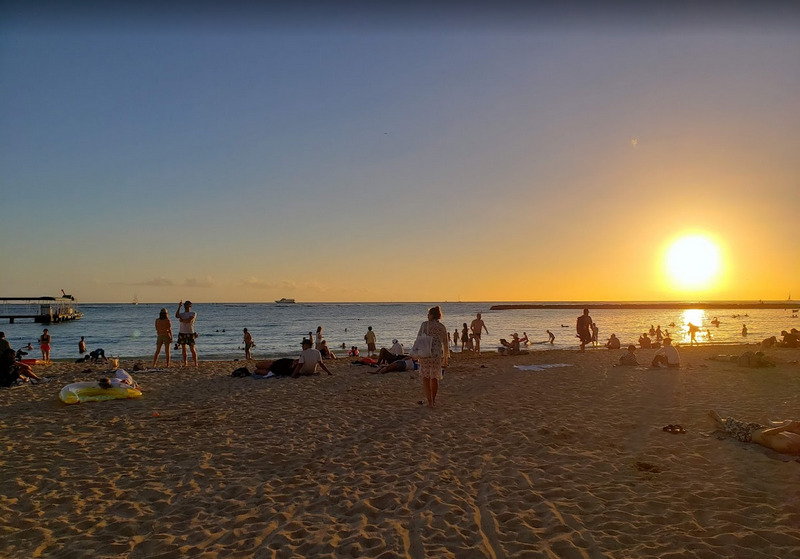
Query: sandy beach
{"points": [[567, 462]]}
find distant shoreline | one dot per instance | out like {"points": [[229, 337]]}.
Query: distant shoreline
{"points": [[653, 306]]}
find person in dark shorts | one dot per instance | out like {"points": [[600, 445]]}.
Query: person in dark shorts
{"points": [[186, 334]]}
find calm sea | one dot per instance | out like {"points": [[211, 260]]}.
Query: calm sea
{"points": [[128, 330]]}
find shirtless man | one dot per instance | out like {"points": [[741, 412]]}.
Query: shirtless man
{"points": [[780, 436], [584, 328], [477, 326]]}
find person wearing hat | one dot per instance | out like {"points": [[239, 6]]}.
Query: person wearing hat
{"points": [[186, 335], [667, 355]]}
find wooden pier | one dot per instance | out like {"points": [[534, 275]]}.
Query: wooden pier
{"points": [[42, 310]]}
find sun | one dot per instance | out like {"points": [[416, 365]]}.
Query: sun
{"points": [[693, 262]]}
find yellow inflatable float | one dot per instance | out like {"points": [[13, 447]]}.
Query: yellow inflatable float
{"points": [[79, 392]]}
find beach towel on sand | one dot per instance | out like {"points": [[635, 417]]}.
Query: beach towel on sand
{"points": [[541, 367]]}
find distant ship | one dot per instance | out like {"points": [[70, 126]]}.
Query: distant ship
{"points": [[285, 301]]}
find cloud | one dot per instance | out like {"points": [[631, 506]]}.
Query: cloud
{"points": [[157, 282], [207, 281], [258, 283]]}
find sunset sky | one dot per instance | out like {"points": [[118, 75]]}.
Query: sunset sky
{"points": [[429, 155]]}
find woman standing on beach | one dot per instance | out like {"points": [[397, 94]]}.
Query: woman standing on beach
{"points": [[164, 336], [320, 338], [431, 367], [44, 345]]}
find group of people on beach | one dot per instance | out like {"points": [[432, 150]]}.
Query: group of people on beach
{"points": [[394, 359]]}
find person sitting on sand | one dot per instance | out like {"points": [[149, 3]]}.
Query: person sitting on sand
{"points": [[789, 339], [397, 348], [11, 370], [667, 355], [403, 364], [308, 361], [325, 351], [613, 342], [644, 341], [769, 342], [353, 352], [780, 436], [513, 345], [629, 359]]}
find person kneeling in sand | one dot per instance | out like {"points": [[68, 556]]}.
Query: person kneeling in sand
{"points": [[401, 365], [780, 436], [308, 361], [667, 355]]}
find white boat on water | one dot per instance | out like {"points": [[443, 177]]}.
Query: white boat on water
{"points": [[285, 301]]}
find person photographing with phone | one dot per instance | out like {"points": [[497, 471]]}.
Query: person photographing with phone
{"points": [[186, 334]]}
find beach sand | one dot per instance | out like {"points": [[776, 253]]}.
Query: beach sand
{"points": [[568, 462]]}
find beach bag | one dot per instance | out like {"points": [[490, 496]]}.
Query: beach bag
{"points": [[422, 345]]}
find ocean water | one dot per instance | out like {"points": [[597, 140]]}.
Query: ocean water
{"points": [[128, 330]]}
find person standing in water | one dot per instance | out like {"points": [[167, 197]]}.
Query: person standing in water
{"points": [[247, 340], [584, 329], [477, 326]]}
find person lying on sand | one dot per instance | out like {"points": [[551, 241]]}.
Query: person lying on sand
{"points": [[780, 436], [121, 379], [280, 367], [400, 365]]}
